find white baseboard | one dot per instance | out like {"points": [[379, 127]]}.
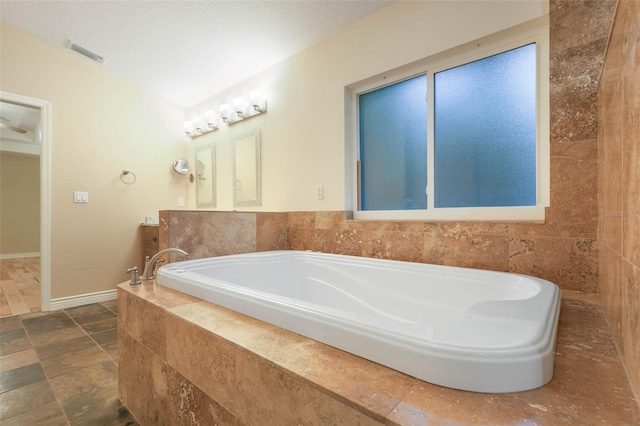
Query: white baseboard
{"points": [[19, 255], [82, 299]]}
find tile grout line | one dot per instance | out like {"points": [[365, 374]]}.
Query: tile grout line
{"points": [[34, 331], [40, 361], [620, 354], [92, 339], [61, 405], [44, 371]]}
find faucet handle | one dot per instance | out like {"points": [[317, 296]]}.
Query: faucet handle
{"points": [[135, 278], [156, 266]]}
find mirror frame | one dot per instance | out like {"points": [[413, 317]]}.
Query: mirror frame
{"points": [[179, 166], [212, 175], [257, 201]]}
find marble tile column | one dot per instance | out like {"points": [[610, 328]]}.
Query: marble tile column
{"points": [[619, 185]]}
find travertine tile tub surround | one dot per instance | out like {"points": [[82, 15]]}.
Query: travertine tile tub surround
{"points": [[186, 361], [619, 185], [591, 129], [215, 233], [568, 262]]}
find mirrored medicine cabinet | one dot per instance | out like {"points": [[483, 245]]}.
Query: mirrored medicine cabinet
{"points": [[205, 176], [247, 170]]}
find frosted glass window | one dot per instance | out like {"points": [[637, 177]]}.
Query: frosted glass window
{"points": [[393, 146], [468, 139], [485, 132]]}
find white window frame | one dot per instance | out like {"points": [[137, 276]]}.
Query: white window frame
{"points": [[536, 31]]}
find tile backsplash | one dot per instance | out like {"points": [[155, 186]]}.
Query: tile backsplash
{"points": [[570, 262], [207, 234]]}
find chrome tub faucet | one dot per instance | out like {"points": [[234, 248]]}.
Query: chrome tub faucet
{"points": [[149, 266]]}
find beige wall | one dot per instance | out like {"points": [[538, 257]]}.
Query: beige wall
{"points": [[101, 124], [303, 130], [619, 185], [19, 204]]}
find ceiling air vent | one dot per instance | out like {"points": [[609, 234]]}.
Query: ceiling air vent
{"points": [[84, 52]]}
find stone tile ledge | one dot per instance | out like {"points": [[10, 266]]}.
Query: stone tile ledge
{"points": [[273, 361]]}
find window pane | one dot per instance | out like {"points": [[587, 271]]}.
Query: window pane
{"points": [[485, 132], [393, 147]]}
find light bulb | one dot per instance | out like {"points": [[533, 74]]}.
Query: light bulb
{"points": [[240, 106], [225, 112], [198, 124], [211, 120], [188, 128], [257, 101]]}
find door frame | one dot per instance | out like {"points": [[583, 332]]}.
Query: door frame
{"points": [[45, 190]]}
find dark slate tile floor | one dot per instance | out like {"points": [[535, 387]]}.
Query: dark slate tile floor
{"points": [[61, 368]]}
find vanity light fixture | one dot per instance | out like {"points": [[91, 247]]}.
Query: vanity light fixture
{"points": [[240, 109], [200, 125], [231, 113]]}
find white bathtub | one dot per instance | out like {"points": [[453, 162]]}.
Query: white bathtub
{"points": [[461, 328]]}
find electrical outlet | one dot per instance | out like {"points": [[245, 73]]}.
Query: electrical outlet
{"points": [[319, 192], [180, 201]]}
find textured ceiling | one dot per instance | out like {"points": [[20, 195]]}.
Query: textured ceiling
{"points": [[187, 51]]}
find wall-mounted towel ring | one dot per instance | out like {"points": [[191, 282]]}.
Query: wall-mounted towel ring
{"points": [[127, 181]]}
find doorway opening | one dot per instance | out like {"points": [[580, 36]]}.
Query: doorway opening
{"points": [[25, 234]]}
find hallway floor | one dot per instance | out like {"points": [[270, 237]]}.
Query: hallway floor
{"points": [[61, 368], [19, 286]]}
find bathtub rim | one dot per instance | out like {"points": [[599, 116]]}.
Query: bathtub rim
{"points": [[545, 288], [493, 360]]}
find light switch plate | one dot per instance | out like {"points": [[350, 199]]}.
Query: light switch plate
{"points": [[80, 197]]}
